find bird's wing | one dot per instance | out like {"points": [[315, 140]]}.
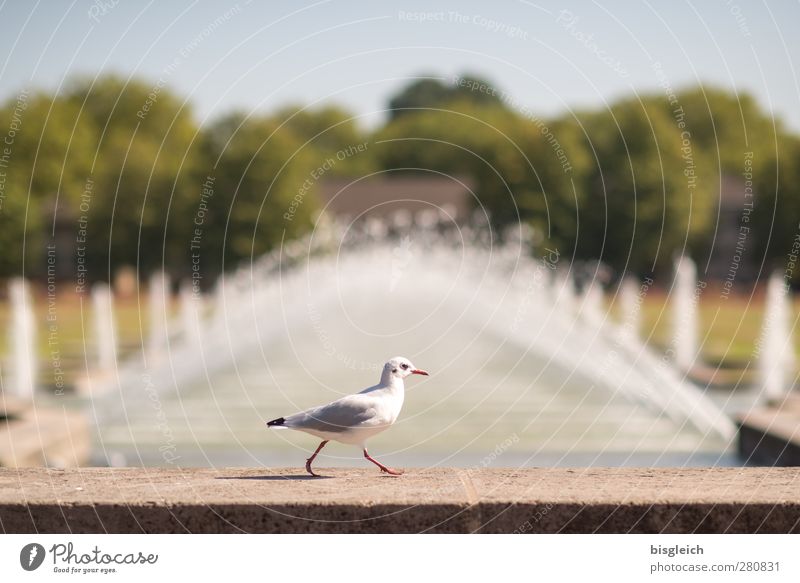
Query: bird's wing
{"points": [[341, 415]]}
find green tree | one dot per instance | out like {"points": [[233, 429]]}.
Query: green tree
{"points": [[259, 198], [731, 135], [461, 140], [21, 236], [329, 132], [144, 167], [776, 219], [724, 125], [551, 196], [47, 162], [522, 168], [638, 203], [432, 93]]}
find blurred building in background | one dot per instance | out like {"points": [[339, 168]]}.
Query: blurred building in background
{"points": [[382, 197]]}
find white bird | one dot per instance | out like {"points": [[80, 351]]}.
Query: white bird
{"points": [[355, 418]]}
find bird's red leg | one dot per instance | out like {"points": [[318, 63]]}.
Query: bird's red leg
{"points": [[311, 459], [381, 466]]}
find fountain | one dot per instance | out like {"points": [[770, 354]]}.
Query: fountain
{"points": [[592, 303], [684, 314], [99, 374], [158, 294], [775, 351], [563, 292], [631, 308], [453, 298], [34, 432], [190, 310], [105, 330], [22, 340]]}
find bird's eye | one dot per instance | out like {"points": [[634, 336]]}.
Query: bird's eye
{"points": [[404, 366]]}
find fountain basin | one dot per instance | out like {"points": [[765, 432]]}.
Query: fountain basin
{"points": [[770, 435]]}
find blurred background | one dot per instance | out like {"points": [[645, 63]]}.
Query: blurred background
{"points": [[583, 220]]}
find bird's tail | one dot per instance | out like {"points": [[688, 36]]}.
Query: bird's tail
{"points": [[277, 423]]}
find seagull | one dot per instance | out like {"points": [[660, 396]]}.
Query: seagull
{"points": [[355, 418]]}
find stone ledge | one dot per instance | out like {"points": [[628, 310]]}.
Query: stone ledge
{"points": [[443, 500]]}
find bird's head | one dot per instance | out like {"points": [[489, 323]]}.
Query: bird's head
{"points": [[399, 367]]}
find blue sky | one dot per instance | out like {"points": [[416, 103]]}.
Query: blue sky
{"points": [[262, 55]]}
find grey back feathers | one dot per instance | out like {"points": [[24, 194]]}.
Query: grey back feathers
{"points": [[336, 417]]}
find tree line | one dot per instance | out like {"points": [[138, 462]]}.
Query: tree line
{"points": [[127, 167]]}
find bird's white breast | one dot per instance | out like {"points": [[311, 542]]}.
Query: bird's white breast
{"points": [[388, 406]]}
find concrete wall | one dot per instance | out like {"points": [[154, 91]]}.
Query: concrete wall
{"points": [[267, 500]]}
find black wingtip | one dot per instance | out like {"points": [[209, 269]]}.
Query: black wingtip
{"points": [[276, 422]]}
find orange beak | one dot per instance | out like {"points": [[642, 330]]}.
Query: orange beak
{"points": [[418, 371]]}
